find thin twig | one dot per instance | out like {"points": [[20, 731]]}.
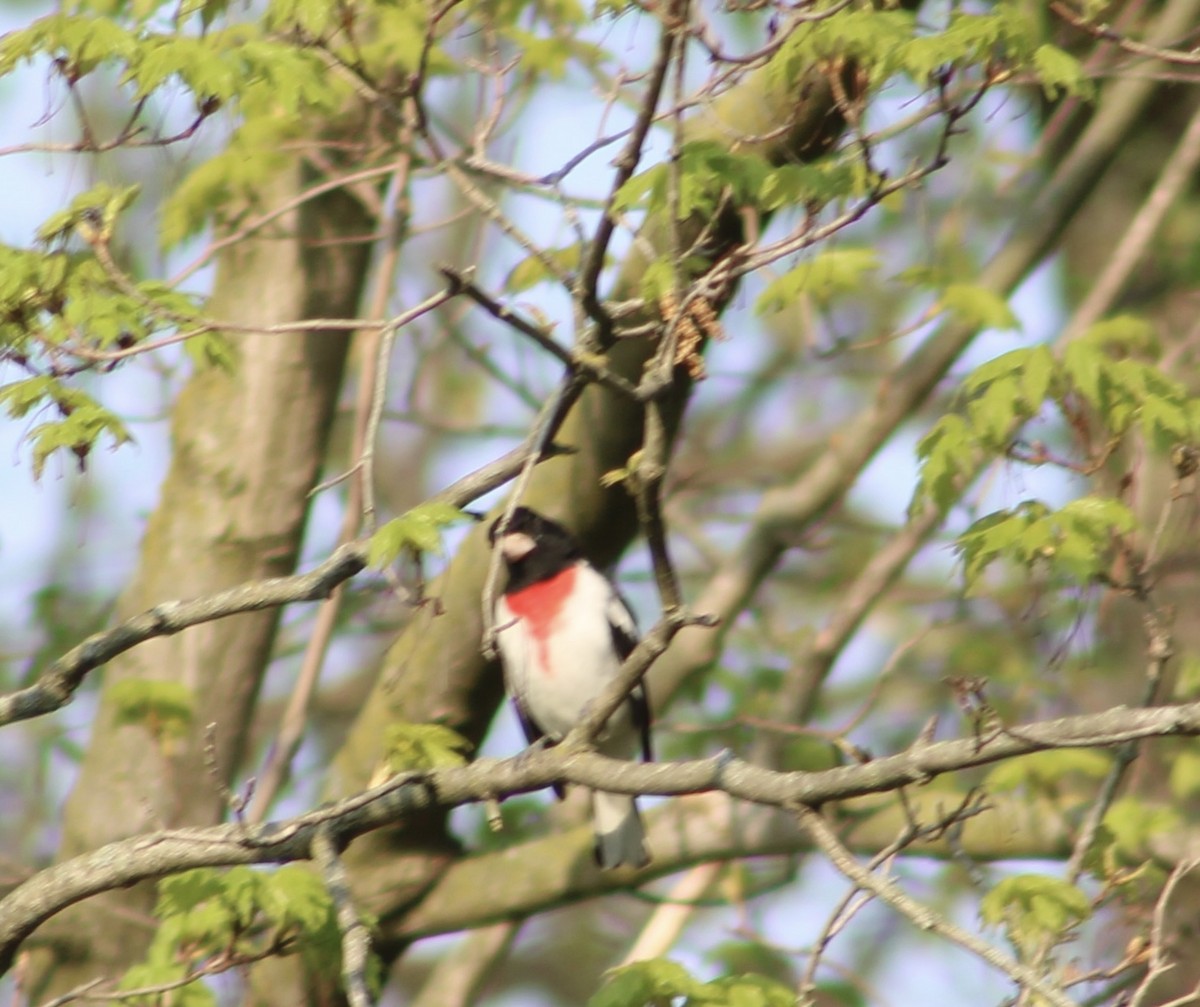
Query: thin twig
{"points": [[592, 366], [626, 164], [1107, 34], [261, 221], [359, 507], [921, 916]]}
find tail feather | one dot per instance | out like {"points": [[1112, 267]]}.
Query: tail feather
{"points": [[620, 838]]}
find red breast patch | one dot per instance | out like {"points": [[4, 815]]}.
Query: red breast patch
{"points": [[539, 604]]}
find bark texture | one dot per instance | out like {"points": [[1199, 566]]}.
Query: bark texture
{"points": [[248, 444]]}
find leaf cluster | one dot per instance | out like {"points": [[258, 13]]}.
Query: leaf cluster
{"points": [[418, 530], [81, 419], [232, 916], [1003, 39], [63, 305], [1034, 908], [1104, 385], [423, 746], [660, 981], [164, 707]]}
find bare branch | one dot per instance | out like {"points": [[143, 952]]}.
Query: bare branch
{"points": [[626, 163], [922, 916], [1103, 31], [138, 858], [577, 361], [57, 684]]}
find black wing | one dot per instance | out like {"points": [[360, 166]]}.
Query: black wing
{"points": [[534, 734], [639, 703], [625, 638]]}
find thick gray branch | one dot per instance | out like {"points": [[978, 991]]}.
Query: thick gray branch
{"points": [[131, 860], [57, 684]]}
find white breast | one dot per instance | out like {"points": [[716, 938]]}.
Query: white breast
{"points": [[555, 676]]}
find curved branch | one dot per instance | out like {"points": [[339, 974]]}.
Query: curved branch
{"points": [[128, 861], [56, 686], [922, 916]]}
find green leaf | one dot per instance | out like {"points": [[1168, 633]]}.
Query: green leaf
{"points": [[211, 349], [814, 184], [532, 270], [243, 892], [180, 893], [645, 185], [1043, 771], [823, 278], [1085, 529], [946, 453], [1084, 364], [94, 212], [1185, 774], [874, 40], [313, 17], [419, 529], [166, 708], [658, 278], [208, 912], [81, 42], [747, 991], [77, 434], [423, 746], [654, 981], [1060, 73], [706, 171], [21, 396], [1019, 534], [1076, 540], [978, 306], [254, 154], [1029, 370], [294, 897], [1166, 421], [1098, 516], [1135, 825], [1106, 367], [1035, 907], [1122, 332]]}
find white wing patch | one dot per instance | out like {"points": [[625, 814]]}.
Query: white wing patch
{"points": [[621, 620]]}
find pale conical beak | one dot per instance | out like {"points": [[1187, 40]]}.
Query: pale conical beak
{"points": [[516, 546]]}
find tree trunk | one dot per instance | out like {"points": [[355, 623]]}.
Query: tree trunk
{"points": [[248, 444]]}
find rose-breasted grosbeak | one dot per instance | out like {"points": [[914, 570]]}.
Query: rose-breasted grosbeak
{"points": [[563, 631]]}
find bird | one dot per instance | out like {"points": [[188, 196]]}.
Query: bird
{"points": [[563, 631]]}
